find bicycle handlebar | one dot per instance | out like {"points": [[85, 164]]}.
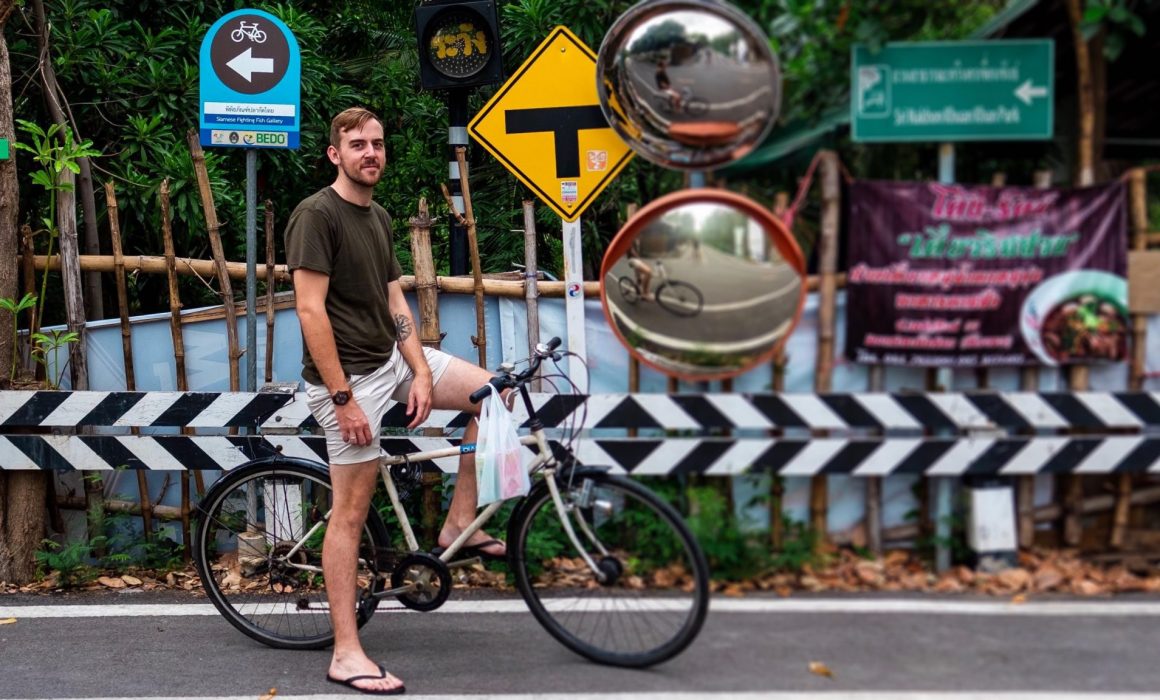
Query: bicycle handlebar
{"points": [[503, 380]]}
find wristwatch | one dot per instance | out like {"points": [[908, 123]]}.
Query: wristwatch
{"points": [[340, 398]]}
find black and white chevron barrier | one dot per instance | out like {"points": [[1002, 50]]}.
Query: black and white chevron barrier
{"points": [[884, 413], [867, 434]]}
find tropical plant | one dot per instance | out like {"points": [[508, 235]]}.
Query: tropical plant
{"points": [[14, 307]]}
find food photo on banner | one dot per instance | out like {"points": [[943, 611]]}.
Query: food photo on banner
{"points": [[944, 275]]}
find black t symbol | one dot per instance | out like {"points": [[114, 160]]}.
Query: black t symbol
{"points": [[565, 123]]}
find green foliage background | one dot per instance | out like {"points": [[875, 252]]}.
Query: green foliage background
{"points": [[129, 70]]}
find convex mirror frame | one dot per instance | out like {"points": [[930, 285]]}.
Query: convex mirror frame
{"points": [[688, 84], [703, 284]]}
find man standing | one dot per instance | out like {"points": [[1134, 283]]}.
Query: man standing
{"points": [[360, 352]]}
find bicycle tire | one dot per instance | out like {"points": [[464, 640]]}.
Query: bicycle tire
{"points": [[279, 606], [628, 289], [682, 579], [680, 298]]}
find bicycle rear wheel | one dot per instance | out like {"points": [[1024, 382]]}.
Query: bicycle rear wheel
{"points": [[258, 549], [628, 289], [680, 298], [654, 600]]}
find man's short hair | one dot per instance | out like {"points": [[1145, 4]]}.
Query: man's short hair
{"points": [[353, 118]]}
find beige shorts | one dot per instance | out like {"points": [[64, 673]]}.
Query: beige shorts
{"points": [[374, 393]]}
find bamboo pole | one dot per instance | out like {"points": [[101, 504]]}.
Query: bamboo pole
{"points": [[511, 289], [531, 285], [215, 242], [827, 303], [426, 285], [178, 350], [270, 285], [127, 345], [875, 382], [74, 304], [1029, 381], [1138, 207], [28, 261], [157, 265], [1078, 375], [480, 340], [430, 335]]}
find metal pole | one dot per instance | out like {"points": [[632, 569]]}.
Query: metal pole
{"points": [[944, 486], [574, 304], [457, 136], [251, 270]]}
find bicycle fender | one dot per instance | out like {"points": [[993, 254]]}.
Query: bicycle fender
{"points": [[273, 460]]}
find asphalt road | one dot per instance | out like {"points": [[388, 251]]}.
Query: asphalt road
{"points": [[743, 301], [904, 648]]}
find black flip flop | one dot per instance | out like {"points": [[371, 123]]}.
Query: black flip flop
{"points": [[476, 550], [350, 683]]}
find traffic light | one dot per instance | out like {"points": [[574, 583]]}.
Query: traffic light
{"points": [[458, 44]]}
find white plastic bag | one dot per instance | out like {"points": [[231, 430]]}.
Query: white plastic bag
{"points": [[499, 464]]}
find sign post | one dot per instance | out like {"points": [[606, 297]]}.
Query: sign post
{"points": [[545, 125], [953, 91], [251, 75]]}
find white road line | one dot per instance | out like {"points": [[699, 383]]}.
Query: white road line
{"points": [[1071, 608], [739, 695]]}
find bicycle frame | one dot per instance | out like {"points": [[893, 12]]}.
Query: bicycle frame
{"points": [[543, 461]]}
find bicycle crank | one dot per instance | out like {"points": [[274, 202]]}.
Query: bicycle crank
{"points": [[428, 579]]}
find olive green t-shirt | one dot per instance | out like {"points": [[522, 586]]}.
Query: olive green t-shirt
{"points": [[354, 246]]}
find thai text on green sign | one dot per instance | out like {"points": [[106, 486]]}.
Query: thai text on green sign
{"points": [[953, 91]]}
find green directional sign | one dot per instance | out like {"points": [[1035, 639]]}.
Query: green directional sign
{"points": [[999, 90]]}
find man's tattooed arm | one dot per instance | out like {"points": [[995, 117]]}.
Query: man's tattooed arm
{"points": [[403, 327]]}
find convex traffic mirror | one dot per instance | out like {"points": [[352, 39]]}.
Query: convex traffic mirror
{"points": [[688, 84], [703, 284]]}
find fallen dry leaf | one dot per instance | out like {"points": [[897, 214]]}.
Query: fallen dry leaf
{"points": [[8, 621], [269, 694], [131, 580], [1019, 599], [108, 582], [820, 669]]}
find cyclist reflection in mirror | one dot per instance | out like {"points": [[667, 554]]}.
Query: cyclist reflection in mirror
{"points": [[666, 87], [642, 270], [360, 352]]}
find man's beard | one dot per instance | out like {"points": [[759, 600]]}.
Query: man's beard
{"points": [[357, 175]]}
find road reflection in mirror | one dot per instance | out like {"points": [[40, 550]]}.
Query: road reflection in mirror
{"points": [[703, 284]]}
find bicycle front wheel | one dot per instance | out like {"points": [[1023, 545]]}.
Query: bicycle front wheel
{"points": [[680, 298], [258, 550], [653, 598]]}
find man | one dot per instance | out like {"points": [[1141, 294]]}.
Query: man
{"points": [[642, 270], [360, 351]]}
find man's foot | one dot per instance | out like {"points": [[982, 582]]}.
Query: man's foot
{"points": [[480, 544], [377, 682]]}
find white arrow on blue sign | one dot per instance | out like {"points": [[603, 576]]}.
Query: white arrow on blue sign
{"points": [[251, 82]]}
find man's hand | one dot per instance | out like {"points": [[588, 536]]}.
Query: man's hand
{"points": [[353, 424], [419, 400]]}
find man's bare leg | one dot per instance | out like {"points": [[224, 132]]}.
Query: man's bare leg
{"points": [[353, 486], [452, 393]]}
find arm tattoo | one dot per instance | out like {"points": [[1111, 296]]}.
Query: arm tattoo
{"points": [[403, 327]]}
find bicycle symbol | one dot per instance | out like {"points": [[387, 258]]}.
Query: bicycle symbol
{"points": [[249, 31]]}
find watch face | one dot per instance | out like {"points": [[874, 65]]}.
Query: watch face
{"points": [[341, 398]]}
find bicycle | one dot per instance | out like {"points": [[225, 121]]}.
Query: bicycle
{"points": [[677, 297], [683, 102], [585, 546], [248, 31]]}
